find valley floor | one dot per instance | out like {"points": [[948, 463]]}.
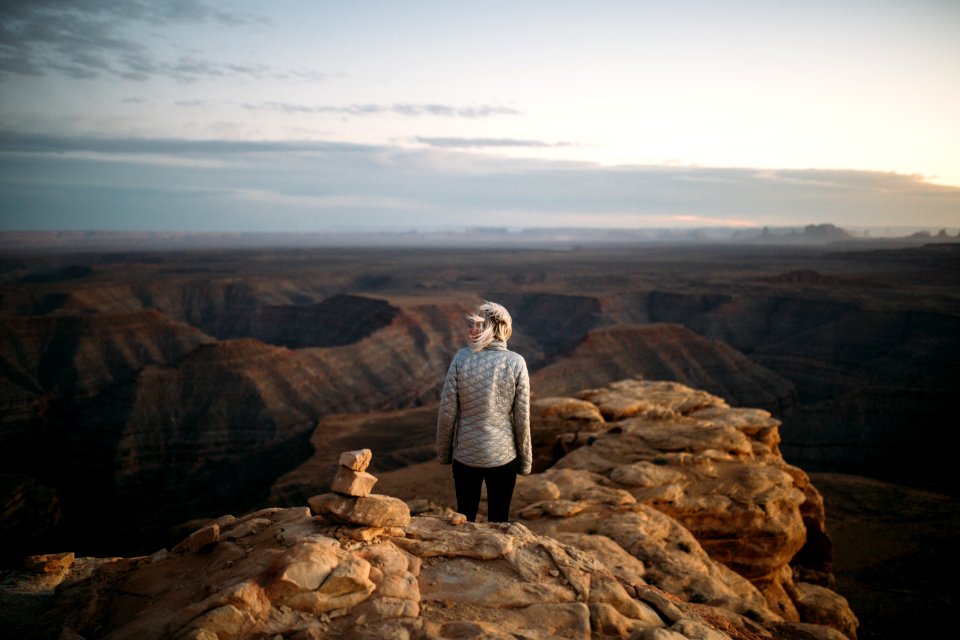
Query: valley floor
{"points": [[895, 554]]}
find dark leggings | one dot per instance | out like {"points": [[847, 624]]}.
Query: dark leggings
{"points": [[500, 483]]}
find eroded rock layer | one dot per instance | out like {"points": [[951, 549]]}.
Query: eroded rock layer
{"points": [[665, 352], [139, 423], [714, 469], [678, 519]]}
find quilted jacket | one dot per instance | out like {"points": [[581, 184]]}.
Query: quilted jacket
{"points": [[484, 418]]}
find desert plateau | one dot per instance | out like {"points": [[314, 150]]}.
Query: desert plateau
{"points": [[743, 440]]}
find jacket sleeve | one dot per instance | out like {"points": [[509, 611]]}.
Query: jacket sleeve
{"points": [[521, 420], [448, 415]]}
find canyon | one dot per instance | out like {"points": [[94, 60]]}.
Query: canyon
{"points": [[144, 390]]}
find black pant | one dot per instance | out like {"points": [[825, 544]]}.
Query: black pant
{"points": [[500, 483]]}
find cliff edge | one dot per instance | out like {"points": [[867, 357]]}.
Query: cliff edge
{"points": [[667, 515]]}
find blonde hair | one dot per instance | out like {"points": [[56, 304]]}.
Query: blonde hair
{"points": [[495, 324]]}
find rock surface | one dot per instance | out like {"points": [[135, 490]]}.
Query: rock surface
{"points": [[713, 469], [678, 519]]}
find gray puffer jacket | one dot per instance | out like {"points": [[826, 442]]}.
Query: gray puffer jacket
{"points": [[484, 418]]}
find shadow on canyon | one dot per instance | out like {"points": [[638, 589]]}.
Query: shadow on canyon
{"points": [[141, 391]]}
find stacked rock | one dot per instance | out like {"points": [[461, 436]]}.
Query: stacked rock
{"points": [[352, 478], [351, 502]]}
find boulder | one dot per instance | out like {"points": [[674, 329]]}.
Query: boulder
{"points": [[356, 460], [369, 511], [49, 563], [352, 483], [198, 539]]}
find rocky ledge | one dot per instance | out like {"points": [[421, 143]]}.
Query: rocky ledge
{"points": [[671, 516]]}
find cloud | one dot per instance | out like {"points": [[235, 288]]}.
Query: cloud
{"points": [[403, 109], [483, 111], [476, 143], [38, 143], [85, 182], [860, 180], [87, 39]]}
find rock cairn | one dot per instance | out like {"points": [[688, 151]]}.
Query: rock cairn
{"points": [[351, 501], [352, 478]]}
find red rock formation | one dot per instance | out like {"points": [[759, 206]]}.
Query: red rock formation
{"points": [[717, 471], [679, 521], [54, 366], [665, 352], [191, 427], [82, 354]]}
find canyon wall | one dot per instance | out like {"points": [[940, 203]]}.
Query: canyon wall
{"points": [[167, 385]]}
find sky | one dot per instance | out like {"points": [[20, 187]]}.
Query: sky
{"points": [[307, 116]]}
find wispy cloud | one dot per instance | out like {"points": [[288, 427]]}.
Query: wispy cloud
{"points": [[88, 39], [401, 108], [38, 143], [477, 143], [859, 180]]}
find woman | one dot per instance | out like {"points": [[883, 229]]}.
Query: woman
{"points": [[484, 423]]}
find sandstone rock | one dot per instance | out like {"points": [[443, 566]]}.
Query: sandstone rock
{"points": [[303, 568], [404, 587], [608, 621], [564, 620], [567, 410], [628, 398], [473, 629], [389, 559], [422, 507], [347, 585], [555, 508], [534, 488], [551, 419], [246, 528], [809, 631], [360, 534], [622, 564], [352, 483], [633, 535], [49, 563], [459, 580], [718, 472], [198, 539], [657, 634], [431, 537], [819, 605], [349, 576], [384, 608], [356, 460], [196, 634], [225, 621], [697, 630], [371, 511]]}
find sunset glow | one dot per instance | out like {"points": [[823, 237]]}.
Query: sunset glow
{"points": [[391, 97]]}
